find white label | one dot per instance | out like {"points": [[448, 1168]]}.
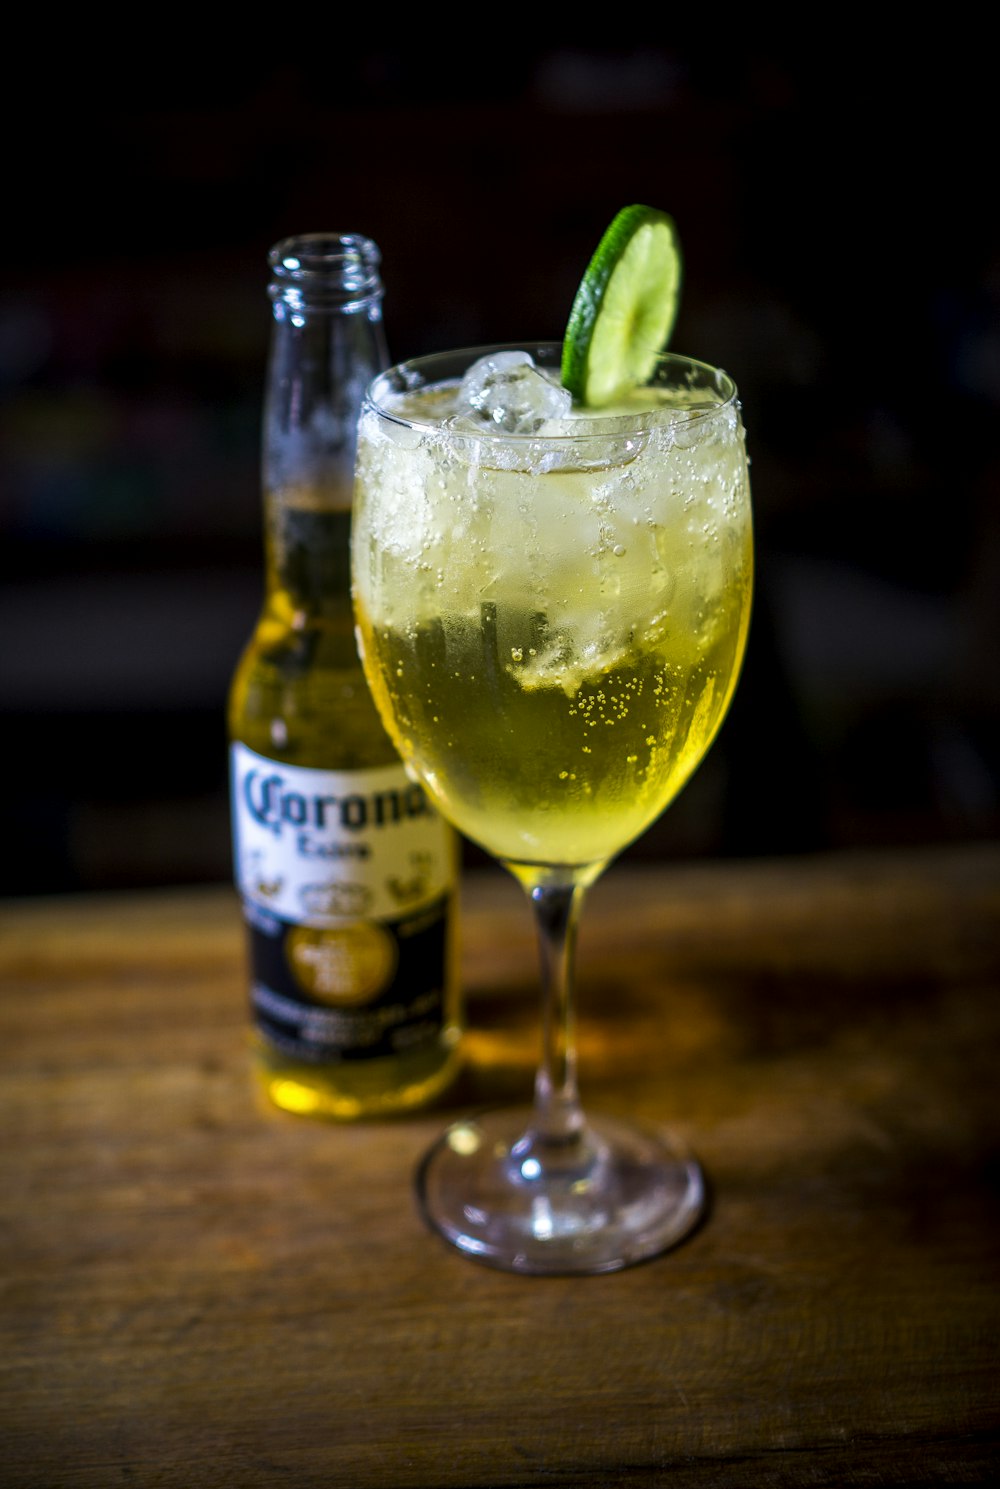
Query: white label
{"points": [[326, 847]]}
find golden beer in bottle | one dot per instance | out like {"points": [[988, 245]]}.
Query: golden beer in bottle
{"points": [[346, 873]]}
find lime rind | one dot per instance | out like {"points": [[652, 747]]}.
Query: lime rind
{"points": [[625, 307]]}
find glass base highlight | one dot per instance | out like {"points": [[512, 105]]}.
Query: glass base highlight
{"points": [[611, 1196]]}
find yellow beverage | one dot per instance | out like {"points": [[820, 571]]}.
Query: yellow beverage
{"points": [[346, 873], [552, 623], [298, 701]]}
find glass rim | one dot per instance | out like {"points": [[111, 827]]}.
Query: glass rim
{"points": [[412, 375]]}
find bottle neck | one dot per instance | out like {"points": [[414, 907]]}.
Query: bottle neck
{"points": [[327, 343]]}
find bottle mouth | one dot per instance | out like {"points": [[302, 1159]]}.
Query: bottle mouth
{"points": [[338, 267]]}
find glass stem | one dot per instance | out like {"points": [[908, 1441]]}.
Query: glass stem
{"points": [[558, 1117]]}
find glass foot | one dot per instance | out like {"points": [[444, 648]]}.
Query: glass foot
{"points": [[613, 1195]]}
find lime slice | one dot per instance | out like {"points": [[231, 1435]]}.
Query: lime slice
{"points": [[624, 309]]}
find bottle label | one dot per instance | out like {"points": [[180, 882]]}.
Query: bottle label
{"points": [[346, 878]]}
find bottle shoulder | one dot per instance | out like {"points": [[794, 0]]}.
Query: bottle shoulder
{"points": [[299, 695]]}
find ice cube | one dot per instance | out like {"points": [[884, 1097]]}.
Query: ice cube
{"points": [[508, 393]]}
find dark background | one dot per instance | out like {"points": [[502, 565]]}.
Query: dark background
{"points": [[836, 202]]}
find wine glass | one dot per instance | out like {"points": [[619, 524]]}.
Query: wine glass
{"points": [[552, 609]]}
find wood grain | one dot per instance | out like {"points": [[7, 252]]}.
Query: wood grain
{"points": [[198, 1290]]}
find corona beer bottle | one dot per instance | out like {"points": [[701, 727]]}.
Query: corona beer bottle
{"points": [[346, 873]]}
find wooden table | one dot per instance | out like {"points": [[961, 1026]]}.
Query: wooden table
{"points": [[199, 1291]]}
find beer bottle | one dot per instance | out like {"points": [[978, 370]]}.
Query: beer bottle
{"points": [[346, 873]]}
